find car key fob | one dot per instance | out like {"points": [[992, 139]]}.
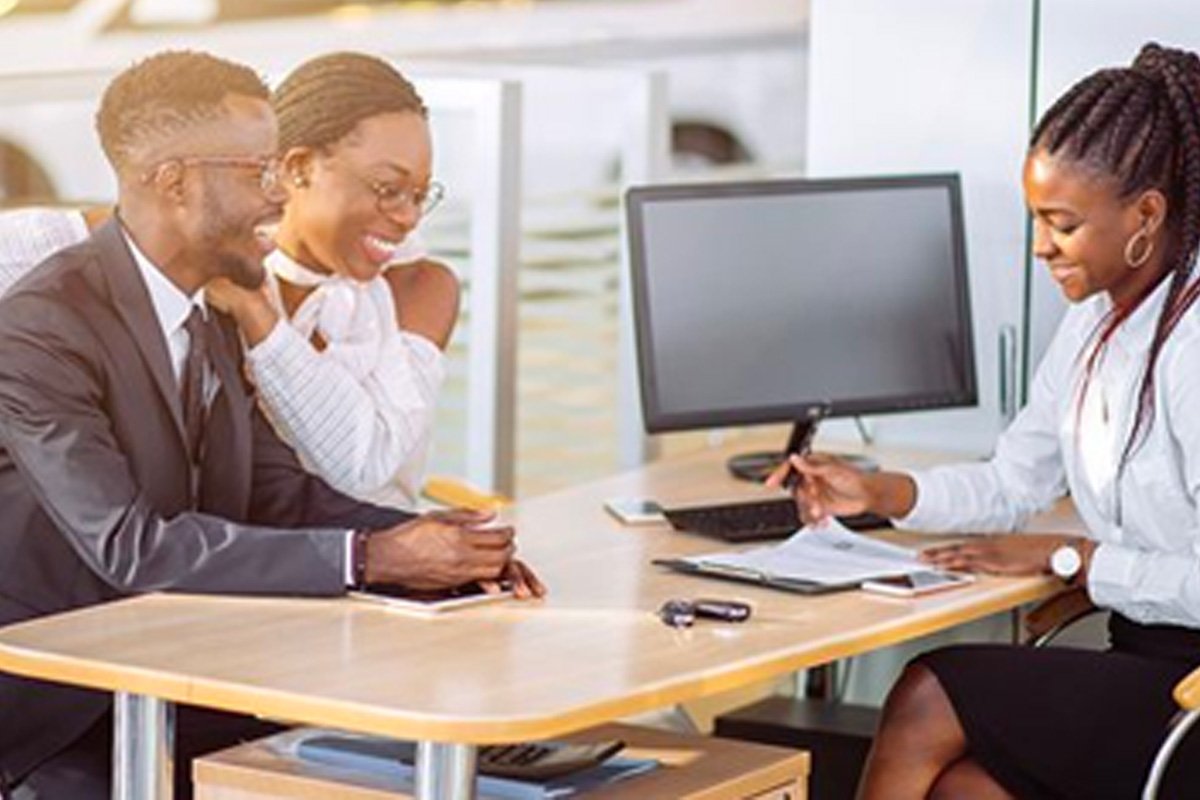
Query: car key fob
{"points": [[724, 610]]}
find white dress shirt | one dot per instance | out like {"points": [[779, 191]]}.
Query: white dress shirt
{"points": [[360, 412], [1147, 565], [172, 308]]}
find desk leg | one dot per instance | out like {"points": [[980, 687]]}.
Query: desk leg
{"points": [[445, 771], [819, 682], [143, 747]]}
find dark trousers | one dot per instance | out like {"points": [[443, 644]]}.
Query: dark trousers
{"points": [[84, 770]]}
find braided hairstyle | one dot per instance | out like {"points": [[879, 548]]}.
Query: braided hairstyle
{"points": [[1140, 127], [325, 98], [164, 94]]}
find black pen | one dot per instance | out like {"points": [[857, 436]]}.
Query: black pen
{"points": [[801, 441]]}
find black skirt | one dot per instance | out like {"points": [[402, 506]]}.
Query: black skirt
{"points": [[1067, 723]]}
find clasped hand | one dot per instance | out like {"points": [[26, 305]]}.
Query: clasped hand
{"points": [[443, 549]]}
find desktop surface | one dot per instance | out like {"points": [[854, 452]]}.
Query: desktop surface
{"points": [[592, 651]]}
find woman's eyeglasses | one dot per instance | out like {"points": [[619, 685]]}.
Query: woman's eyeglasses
{"points": [[392, 198]]}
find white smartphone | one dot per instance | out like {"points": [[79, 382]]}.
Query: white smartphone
{"points": [[918, 583], [397, 598], [635, 510]]}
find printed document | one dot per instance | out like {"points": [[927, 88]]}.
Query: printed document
{"points": [[826, 554]]}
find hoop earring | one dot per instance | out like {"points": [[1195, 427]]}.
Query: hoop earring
{"points": [[1147, 249]]}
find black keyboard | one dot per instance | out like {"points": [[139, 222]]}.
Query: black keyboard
{"points": [[761, 519]]}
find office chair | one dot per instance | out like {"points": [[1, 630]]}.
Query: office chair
{"points": [[1050, 618], [1053, 616], [1187, 695]]}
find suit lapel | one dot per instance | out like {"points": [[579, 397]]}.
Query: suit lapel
{"points": [[131, 299]]}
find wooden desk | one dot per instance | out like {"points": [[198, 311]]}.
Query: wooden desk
{"points": [[593, 651]]}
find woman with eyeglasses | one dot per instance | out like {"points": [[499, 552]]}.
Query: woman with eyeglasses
{"points": [[352, 381]]}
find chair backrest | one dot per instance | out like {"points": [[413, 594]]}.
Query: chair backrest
{"points": [[1054, 616], [1187, 695], [29, 236]]}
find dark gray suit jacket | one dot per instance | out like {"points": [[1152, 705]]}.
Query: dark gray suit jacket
{"points": [[95, 485]]}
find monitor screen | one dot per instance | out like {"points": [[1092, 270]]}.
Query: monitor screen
{"points": [[755, 302]]}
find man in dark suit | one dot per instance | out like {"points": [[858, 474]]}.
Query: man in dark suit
{"points": [[132, 454]]}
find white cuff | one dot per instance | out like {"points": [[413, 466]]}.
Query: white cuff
{"points": [[928, 501], [348, 560], [272, 345], [426, 351], [1110, 574]]}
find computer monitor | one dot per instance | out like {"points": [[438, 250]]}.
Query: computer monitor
{"points": [[783, 301]]}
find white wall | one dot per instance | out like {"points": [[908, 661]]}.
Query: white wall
{"points": [[1078, 37], [935, 85], [932, 87]]}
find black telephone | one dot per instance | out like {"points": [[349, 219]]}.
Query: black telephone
{"points": [[539, 761]]}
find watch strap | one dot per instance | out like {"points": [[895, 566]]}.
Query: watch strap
{"points": [[358, 557]]}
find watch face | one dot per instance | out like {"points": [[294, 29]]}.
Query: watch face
{"points": [[1065, 562]]}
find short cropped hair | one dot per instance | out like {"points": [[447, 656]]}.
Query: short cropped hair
{"points": [[325, 98], [166, 93]]}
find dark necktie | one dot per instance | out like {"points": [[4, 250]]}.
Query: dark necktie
{"points": [[193, 382]]}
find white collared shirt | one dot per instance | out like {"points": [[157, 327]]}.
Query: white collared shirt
{"points": [[172, 308], [1147, 566]]}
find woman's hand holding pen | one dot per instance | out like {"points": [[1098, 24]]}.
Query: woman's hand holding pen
{"points": [[829, 486], [822, 485]]}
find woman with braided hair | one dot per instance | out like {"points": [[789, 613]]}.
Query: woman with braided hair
{"points": [[352, 382], [1112, 179]]}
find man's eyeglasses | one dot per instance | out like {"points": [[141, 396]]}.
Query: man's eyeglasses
{"points": [[268, 169], [391, 198]]}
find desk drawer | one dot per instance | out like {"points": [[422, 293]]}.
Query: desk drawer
{"points": [[792, 791]]}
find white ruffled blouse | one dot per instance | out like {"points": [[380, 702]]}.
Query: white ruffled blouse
{"points": [[360, 412]]}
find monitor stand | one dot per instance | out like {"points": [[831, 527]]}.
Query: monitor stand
{"points": [[758, 465]]}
